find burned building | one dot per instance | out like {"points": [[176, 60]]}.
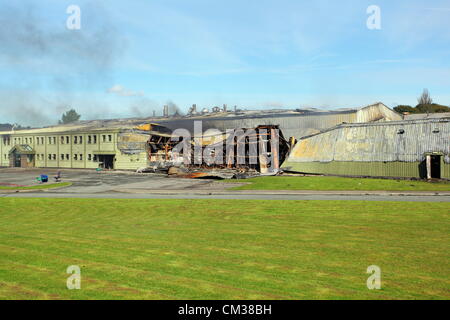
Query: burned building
{"points": [[371, 141], [261, 149], [409, 149]]}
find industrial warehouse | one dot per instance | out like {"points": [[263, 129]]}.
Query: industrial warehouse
{"points": [[372, 141], [410, 149]]}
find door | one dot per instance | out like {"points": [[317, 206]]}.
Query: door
{"points": [[17, 160], [435, 167], [106, 161]]}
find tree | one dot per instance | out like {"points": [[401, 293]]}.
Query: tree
{"points": [[69, 117], [425, 98], [404, 108], [431, 108]]}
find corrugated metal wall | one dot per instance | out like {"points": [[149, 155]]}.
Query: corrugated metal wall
{"points": [[396, 148]]}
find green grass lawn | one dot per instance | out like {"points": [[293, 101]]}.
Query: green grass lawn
{"points": [[223, 249], [38, 186], [338, 183]]}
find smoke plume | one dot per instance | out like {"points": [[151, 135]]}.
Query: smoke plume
{"points": [[45, 65]]}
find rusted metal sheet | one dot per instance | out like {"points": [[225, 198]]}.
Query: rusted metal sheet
{"points": [[136, 140], [132, 142]]}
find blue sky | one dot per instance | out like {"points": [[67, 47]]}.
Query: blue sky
{"points": [[132, 57]]}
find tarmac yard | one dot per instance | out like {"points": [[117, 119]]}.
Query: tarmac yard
{"points": [[130, 185], [92, 182]]}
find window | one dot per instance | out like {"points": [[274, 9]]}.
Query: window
{"points": [[95, 138], [109, 138], [89, 139], [62, 140], [89, 157], [75, 157], [26, 140], [104, 138], [49, 157], [75, 139], [62, 157], [67, 139], [81, 157], [81, 139], [31, 140], [54, 156], [95, 158], [54, 140], [42, 140], [67, 156]]}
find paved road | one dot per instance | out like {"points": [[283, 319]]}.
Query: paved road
{"points": [[231, 196]]}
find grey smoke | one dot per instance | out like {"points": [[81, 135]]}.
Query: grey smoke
{"points": [[144, 108], [68, 59], [173, 108]]}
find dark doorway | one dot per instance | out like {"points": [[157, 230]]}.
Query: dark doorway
{"points": [[17, 160], [106, 161], [435, 167]]}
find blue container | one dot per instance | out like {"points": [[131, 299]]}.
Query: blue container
{"points": [[44, 178]]}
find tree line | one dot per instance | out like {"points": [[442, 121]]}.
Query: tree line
{"points": [[425, 105]]}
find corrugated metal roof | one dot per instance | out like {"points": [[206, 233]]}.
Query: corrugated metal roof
{"points": [[94, 126], [291, 124], [417, 116]]}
